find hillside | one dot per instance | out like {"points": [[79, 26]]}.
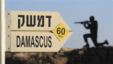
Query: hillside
{"points": [[101, 55]]}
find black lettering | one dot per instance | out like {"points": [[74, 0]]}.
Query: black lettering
{"points": [[45, 41], [23, 42], [32, 41], [37, 41], [40, 21], [30, 20], [49, 41], [18, 41], [41, 43], [21, 20], [49, 21], [27, 41]]}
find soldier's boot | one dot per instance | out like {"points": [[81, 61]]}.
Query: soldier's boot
{"points": [[86, 46], [102, 44], [106, 42]]}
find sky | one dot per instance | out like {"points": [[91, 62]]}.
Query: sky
{"points": [[74, 11]]}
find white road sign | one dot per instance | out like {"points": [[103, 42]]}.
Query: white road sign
{"points": [[33, 31]]}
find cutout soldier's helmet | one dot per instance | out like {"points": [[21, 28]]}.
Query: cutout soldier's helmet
{"points": [[91, 18]]}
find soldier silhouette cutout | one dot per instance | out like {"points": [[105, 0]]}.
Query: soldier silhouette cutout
{"points": [[91, 25]]}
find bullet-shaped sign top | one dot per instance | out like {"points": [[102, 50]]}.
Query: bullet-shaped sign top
{"points": [[37, 31]]}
